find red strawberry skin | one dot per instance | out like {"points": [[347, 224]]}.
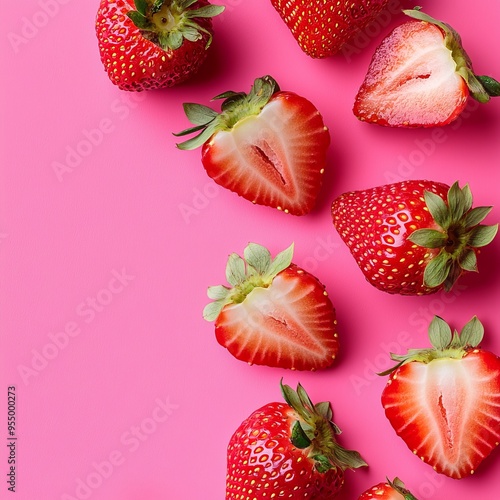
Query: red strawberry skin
{"points": [[375, 223], [276, 158], [134, 63], [321, 28], [447, 411], [412, 80], [381, 491], [291, 324], [262, 462]]}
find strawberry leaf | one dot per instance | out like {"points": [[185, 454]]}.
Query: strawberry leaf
{"points": [[437, 208], [235, 270], [489, 84], [171, 40], [325, 410], [142, 22], [141, 6], [322, 463], [188, 131], [198, 140], [400, 487], [348, 458], [206, 11], [472, 333], [212, 310], [476, 215], [304, 398], [258, 257], [437, 270], [439, 333], [299, 438], [482, 235], [293, 400], [458, 203], [468, 261], [280, 262], [428, 238], [198, 114], [218, 292]]}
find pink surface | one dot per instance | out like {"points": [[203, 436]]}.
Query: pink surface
{"points": [[136, 398]]}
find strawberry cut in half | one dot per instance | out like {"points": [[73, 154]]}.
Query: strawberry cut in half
{"points": [[321, 28], [268, 146], [444, 402], [413, 237], [390, 490], [151, 44], [420, 76], [288, 450], [274, 313]]}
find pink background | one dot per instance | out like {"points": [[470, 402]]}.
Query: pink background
{"points": [[136, 206]]}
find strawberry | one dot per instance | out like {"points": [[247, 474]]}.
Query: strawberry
{"points": [[274, 314], [444, 402], [160, 44], [268, 146], [390, 490], [321, 28], [412, 237], [420, 76], [288, 451]]}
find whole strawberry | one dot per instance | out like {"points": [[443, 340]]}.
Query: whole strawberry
{"points": [[390, 490], [413, 237], [274, 314], [268, 146], [420, 76], [444, 402], [288, 451], [322, 27], [158, 44]]}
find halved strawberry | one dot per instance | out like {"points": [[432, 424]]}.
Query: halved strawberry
{"points": [[413, 237], [275, 314], [390, 490], [157, 44], [268, 146], [322, 27], [444, 402], [420, 76], [288, 450]]}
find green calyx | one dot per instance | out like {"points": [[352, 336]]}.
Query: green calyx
{"points": [[167, 23], [256, 270], [459, 236], [235, 107], [445, 344], [399, 486], [315, 431], [481, 87]]}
